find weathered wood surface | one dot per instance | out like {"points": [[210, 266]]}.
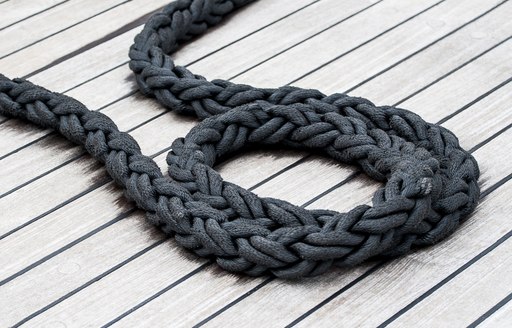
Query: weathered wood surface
{"points": [[73, 252]]}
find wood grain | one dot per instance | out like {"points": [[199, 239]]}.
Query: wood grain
{"points": [[400, 43]]}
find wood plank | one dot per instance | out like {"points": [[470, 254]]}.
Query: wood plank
{"points": [[53, 152], [14, 11], [428, 59], [22, 214], [112, 53], [18, 218], [44, 151], [47, 281], [144, 286], [134, 109], [59, 275], [496, 115], [407, 39], [463, 299], [104, 82], [446, 98], [445, 56], [54, 188], [288, 33], [381, 51], [62, 17]]}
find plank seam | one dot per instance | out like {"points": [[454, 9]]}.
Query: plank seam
{"points": [[491, 311]]}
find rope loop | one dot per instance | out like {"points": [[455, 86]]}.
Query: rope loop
{"points": [[430, 181]]}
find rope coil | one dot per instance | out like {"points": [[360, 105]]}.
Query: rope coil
{"points": [[431, 182]]}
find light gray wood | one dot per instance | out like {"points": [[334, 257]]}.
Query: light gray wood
{"points": [[114, 52], [398, 283], [380, 295], [20, 214], [492, 172], [127, 237], [282, 35], [445, 56], [484, 118], [123, 79], [302, 26], [58, 176], [54, 188], [479, 81], [142, 283], [369, 302]]}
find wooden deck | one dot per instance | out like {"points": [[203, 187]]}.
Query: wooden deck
{"points": [[74, 253]]}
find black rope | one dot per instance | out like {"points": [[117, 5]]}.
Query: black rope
{"points": [[431, 182]]}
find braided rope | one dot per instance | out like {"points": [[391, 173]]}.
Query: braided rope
{"points": [[431, 182]]}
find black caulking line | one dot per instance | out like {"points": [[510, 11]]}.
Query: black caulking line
{"points": [[491, 311]]}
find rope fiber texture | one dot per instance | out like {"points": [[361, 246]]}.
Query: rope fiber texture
{"points": [[430, 181]]}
